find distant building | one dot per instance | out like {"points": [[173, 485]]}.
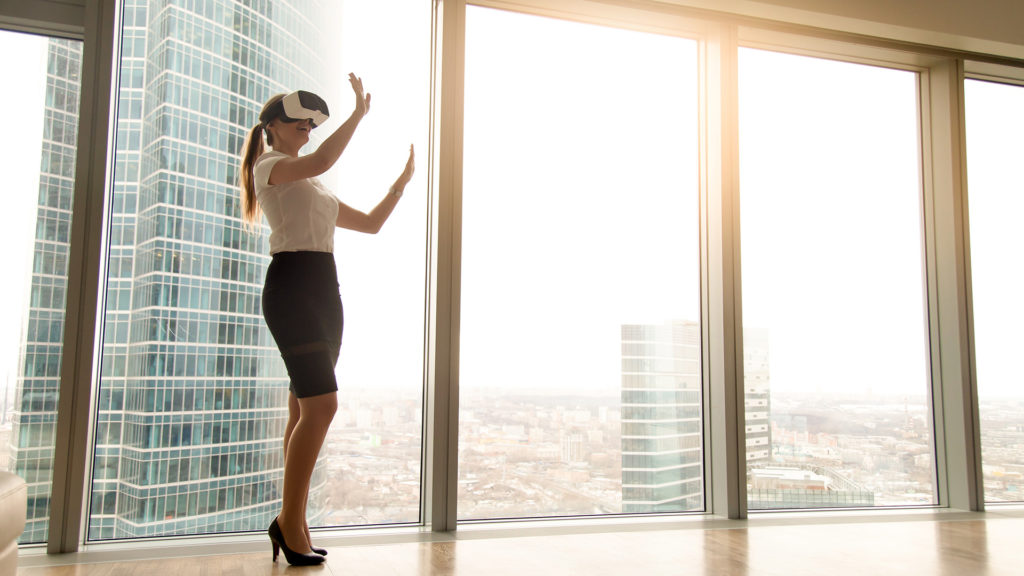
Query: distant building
{"points": [[793, 488], [34, 416], [662, 445], [756, 395], [662, 449]]}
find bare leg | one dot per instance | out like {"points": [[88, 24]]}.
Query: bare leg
{"points": [[293, 419], [307, 436]]}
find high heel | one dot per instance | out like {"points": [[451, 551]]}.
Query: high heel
{"points": [[294, 558]]}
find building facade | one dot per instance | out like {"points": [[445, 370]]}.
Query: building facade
{"points": [[36, 390], [662, 447], [662, 438], [756, 396], [192, 400]]}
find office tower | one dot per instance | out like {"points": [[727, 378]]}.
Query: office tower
{"points": [[36, 390], [662, 453], [757, 396], [769, 485], [192, 399]]}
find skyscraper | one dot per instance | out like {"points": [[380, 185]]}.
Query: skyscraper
{"points": [[662, 446], [192, 398], [662, 450], [757, 396], [35, 410]]}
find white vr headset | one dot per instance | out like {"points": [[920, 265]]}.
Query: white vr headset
{"points": [[299, 105]]}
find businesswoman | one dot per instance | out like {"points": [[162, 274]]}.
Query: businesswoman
{"points": [[301, 303]]}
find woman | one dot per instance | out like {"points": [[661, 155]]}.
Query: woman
{"points": [[300, 297]]}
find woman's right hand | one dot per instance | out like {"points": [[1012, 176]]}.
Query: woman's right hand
{"points": [[362, 99], [406, 175]]}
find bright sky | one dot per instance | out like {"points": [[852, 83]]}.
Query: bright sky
{"points": [[995, 147], [382, 276], [580, 205], [832, 249], [21, 156]]}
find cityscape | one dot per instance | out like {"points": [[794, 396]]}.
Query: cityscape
{"points": [[373, 453]]}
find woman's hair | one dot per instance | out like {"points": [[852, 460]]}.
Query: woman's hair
{"points": [[254, 149]]}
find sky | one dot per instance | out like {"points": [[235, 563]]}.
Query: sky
{"points": [[580, 198], [21, 171], [831, 233], [580, 205], [995, 147]]}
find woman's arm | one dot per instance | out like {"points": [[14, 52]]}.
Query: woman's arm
{"points": [[371, 223], [315, 164]]}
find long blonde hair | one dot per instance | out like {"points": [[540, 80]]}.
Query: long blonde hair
{"points": [[254, 149]]}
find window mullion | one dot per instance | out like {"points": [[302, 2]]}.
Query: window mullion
{"points": [[956, 412], [67, 501], [722, 317], [441, 491]]}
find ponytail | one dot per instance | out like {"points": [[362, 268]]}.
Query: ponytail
{"points": [[253, 150]]}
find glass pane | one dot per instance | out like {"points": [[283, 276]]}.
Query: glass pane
{"points": [[995, 145], [834, 310], [373, 451], [193, 395], [580, 388], [35, 227]]}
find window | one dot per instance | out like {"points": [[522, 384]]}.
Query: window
{"points": [[39, 166], [193, 394], [995, 122], [579, 364], [578, 270], [835, 327]]}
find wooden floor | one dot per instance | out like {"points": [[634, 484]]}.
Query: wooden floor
{"points": [[959, 544]]}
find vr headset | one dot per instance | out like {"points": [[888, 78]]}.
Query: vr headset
{"points": [[299, 105]]}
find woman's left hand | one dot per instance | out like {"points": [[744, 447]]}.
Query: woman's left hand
{"points": [[362, 99]]}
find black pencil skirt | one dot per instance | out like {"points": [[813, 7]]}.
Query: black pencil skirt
{"points": [[302, 307]]}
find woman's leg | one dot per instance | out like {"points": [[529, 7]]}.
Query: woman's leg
{"points": [[293, 419], [307, 436]]}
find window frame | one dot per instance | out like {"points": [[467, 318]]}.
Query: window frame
{"points": [[954, 461], [986, 71]]}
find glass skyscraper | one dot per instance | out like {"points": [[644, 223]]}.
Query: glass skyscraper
{"points": [[662, 446], [662, 450], [757, 396], [192, 400], [35, 410]]}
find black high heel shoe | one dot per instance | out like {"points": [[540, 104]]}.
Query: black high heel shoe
{"points": [[294, 558]]}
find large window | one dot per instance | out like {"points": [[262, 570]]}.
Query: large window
{"points": [[583, 203], [192, 401], [835, 326], [995, 145], [580, 387], [35, 224]]}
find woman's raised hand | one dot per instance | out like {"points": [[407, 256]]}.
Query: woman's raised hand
{"points": [[406, 175], [362, 99]]}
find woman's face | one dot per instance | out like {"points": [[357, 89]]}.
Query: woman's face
{"points": [[289, 135]]}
